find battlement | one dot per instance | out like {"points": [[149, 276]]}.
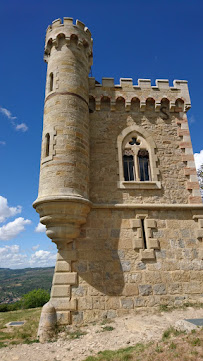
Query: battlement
{"points": [[142, 93], [77, 33]]}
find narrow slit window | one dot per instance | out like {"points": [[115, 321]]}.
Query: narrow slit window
{"points": [[143, 161], [51, 82], [144, 234], [128, 168], [47, 145]]}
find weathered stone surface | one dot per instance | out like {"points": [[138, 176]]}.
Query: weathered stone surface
{"points": [[127, 303], [145, 290], [159, 289], [65, 278]]}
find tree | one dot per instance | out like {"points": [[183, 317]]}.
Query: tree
{"points": [[200, 179], [35, 298]]}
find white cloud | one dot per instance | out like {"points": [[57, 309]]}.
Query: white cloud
{"points": [[40, 228], [7, 113], [42, 258], [198, 159], [6, 211], [192, 119], [12, 229], [10, 257], [23, 127], [34, 248], [2, 142]]}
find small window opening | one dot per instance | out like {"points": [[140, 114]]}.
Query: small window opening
{"points": [[47, 137], [143, 160], [144, 234], [51, 82], [128, 167]]}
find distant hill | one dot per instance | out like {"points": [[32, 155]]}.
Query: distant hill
{"points": [[17, 282]]}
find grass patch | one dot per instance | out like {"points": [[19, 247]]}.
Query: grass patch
{"points": [[166, 308], [171, 331], [106, 321], [108, 328], [182, 347], [76, 334], [173, 346], [196, 342], [26, 333], [123, 354]]}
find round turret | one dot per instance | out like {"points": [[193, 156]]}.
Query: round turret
{"points": [[64, 172]]}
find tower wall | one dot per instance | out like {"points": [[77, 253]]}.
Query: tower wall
{"points": [[65, 170]]}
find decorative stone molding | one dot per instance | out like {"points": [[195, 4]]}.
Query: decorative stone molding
{"points": [[62, 216], [143, 239], [143, 135]]}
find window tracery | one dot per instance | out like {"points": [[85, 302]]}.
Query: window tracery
{"points": [[137, 159]]}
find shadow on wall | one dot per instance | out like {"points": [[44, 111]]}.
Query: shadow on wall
{"points": [[101, 264]]}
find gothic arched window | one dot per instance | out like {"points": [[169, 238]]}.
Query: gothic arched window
{"points": [[137, 159], [144, 168], [128, 167]]}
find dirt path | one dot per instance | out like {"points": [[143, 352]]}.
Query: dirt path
{"points": [[142, 327]]}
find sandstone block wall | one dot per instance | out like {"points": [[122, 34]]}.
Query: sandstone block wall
{"points": [[112, 278]]}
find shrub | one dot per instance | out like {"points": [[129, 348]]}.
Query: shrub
{"points": [[35, 298]]}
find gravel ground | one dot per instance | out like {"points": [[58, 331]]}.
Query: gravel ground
{"points": [[143, 327]]}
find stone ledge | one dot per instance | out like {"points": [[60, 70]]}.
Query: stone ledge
{"points": [[139, 185]]}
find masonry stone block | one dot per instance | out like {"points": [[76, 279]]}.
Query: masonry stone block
{"points": [[63, 317], [147, 254], [62, 266], [137, 243], [153, 243], [151, 223], [135, 223], [159, 289], [145, 290], [127, 303], [65, 278], [60, 291]]}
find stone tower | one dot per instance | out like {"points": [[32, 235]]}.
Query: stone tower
{"points": [[63, 199], [118, 189]]}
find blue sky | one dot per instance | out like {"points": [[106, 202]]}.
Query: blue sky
{"points": [[136, 39]]}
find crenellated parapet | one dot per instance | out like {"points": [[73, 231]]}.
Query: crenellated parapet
{"points": [[138, 96], [77, 35]]}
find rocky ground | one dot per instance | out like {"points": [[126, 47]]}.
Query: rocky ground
{"points": [[122, 332]]}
